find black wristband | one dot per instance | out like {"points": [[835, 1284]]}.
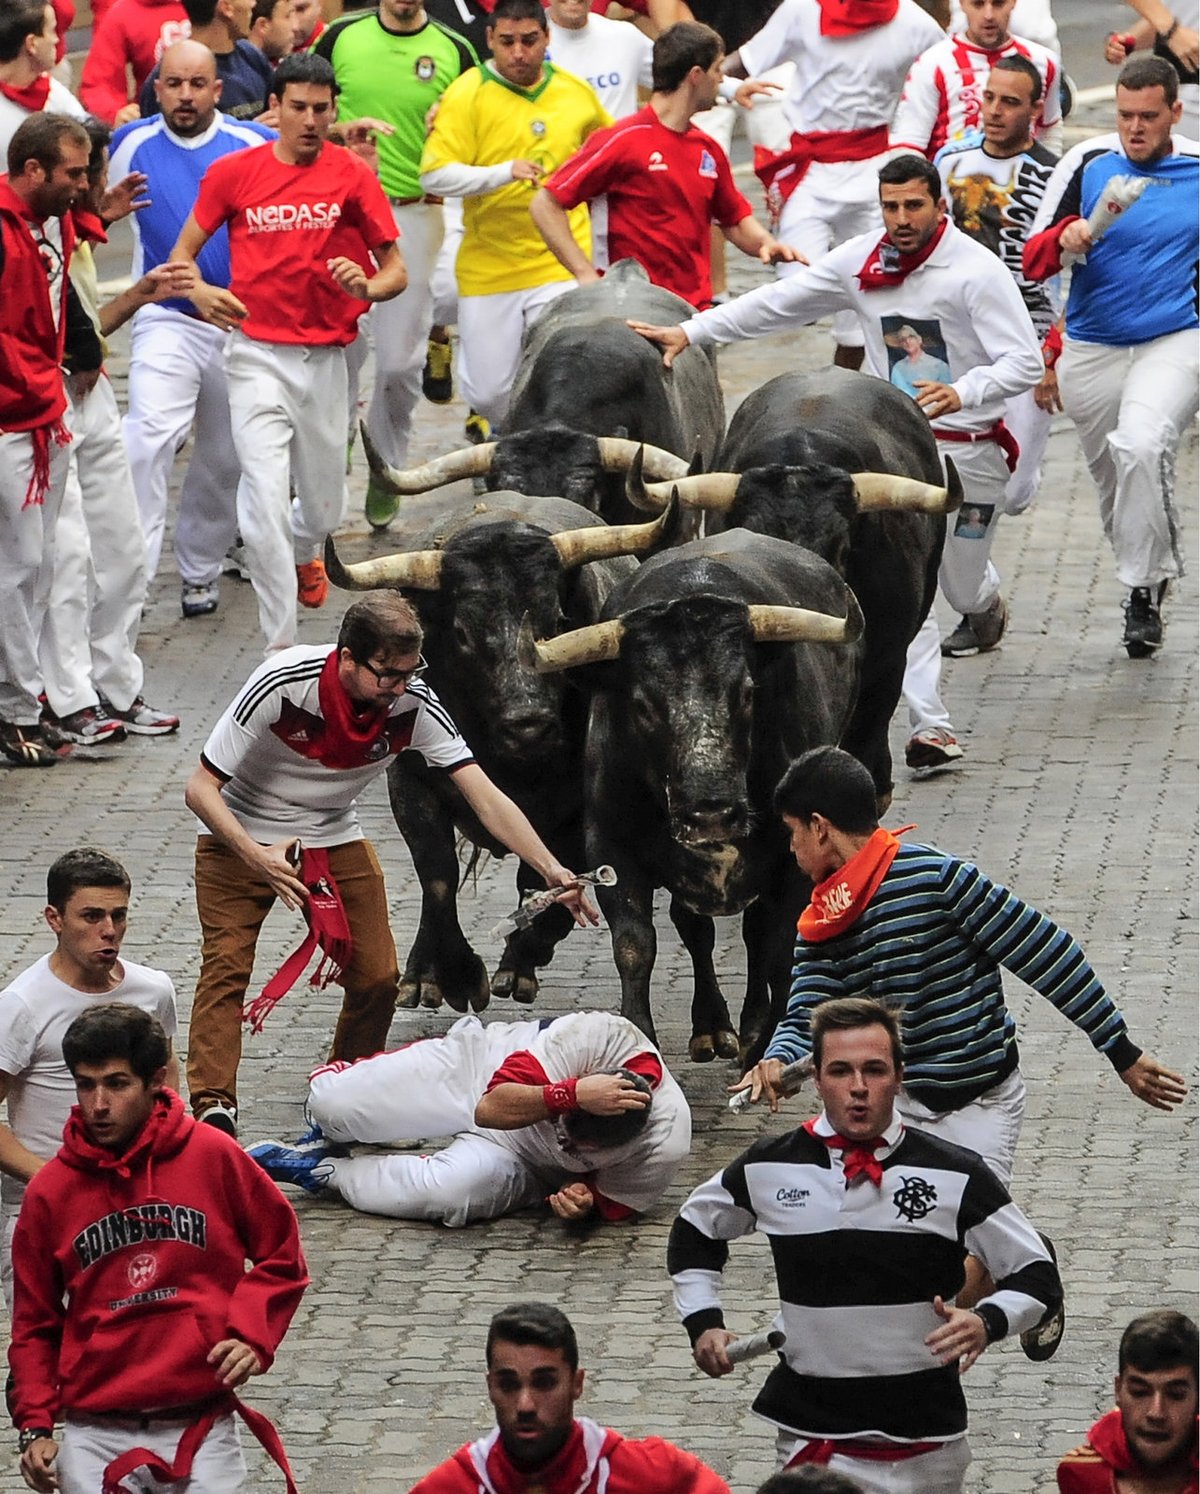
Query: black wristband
{"points": [[1165, 36], [31, 1435], [994, 1318]]}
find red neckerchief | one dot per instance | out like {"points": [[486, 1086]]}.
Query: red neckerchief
{"points": [[849, 17], [1108, 1438], [350, 731], [328, 930], [886, 266], [89, 226], [32, 97], [840, 899], [858, 1157], [560, 1475]]}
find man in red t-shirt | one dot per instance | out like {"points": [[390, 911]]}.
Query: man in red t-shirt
{"points": [[665, 181], [312, 243]]}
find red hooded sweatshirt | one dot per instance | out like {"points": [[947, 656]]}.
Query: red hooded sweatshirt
{"points": [[594, 1460], [149, 1249]]}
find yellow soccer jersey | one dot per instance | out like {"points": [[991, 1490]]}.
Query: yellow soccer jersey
{"points": [[483, 120]]}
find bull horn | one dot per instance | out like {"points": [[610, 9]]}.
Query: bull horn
{"points": [[800, 625], [594, 644], [617, 454], [420, 570], [470, 461], [603, 541], [880, 490], [706, 490]]}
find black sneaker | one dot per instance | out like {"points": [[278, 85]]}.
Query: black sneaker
{"points": [[220, 1118], [1143, 622], [29, 746], [90, 727], [1041, 1342], [437, 377], [962, 643]]}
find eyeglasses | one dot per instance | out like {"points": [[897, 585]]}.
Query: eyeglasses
{"points": [[390, 678]]}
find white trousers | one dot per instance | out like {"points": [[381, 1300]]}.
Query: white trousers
{"points": [[401, 329], [26, 572], [1130, 407], [940, 1472], [426, 1088], [89, 640], [835, 201], [1031, 430], [90, 1443], [967, 577], [490, 329], [288, 408], [177, 377], [990, 1125]]}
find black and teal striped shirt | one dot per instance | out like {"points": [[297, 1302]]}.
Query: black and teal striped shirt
{"points": [[930, 943]]}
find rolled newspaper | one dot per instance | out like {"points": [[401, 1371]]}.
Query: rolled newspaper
{"points": [[523, 915], [790, 1081], [1120, 193], [755, 1346]]}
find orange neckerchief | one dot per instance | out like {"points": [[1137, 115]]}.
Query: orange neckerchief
{"points": [[840, 899]]}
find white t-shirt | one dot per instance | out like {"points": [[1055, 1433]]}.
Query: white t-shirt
{"points": [[841, 83], [613, 57], [267, 746], [12, 116], [35, 1012], [636, 1174]]}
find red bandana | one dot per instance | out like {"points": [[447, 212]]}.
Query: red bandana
{"points": [[328, 930], [1108, 1438], [840, 899], [32, 97], [562, 1473], [858, 1157], [849, 17], [887, 266], [351, 731]]}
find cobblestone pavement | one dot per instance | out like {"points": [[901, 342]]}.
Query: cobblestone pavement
{"points": [[1078, 787]]}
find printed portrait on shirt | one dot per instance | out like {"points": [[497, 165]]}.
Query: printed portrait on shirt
{"points": [[916, 353]]}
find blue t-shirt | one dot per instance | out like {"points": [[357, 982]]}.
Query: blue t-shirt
{"points": [[245, 76], [1139, 281], [174, 165]]}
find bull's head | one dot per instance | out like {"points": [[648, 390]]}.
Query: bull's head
{"points": [[688, 673], [474, 594]]}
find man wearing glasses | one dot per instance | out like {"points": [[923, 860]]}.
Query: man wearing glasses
{"points": [[276, 791]]}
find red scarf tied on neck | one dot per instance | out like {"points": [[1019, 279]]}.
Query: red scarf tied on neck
{"points": [[1108, 1438], [32, 97], [351, 731], [858, 1157], [886, 266], [328, 930], [840, 899], [849, 17]]}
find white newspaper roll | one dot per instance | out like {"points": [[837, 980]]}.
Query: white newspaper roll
{"points": [[1120, 193], [756, 1345]]}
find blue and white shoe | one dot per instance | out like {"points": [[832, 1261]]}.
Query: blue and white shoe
{"points": [[315, 1143], [285, 1164]]}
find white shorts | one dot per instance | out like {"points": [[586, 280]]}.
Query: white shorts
{"points": [[990, 1125]]}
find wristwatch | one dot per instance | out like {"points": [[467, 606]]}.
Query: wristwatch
{"points": [[31, 1435]]}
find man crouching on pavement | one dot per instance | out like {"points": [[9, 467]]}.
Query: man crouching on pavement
{"points": [[134, 1315]]}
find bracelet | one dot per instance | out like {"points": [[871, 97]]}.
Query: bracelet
{"points": [[1165, 36], [559, 1099], [1052, 347], [31, 1435]]}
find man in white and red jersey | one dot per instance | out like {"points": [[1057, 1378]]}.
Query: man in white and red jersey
{"points": [[943, 93], [275, 792], [850, 59], [663, 180], [577, 1111], [312, 244], [538, 1443]]}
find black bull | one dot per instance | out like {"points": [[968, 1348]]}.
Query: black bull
{"points": [[814, 458], [701, 695], [473, 570]]}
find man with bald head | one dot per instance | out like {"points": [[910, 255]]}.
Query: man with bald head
{"points": [[176, 369]]}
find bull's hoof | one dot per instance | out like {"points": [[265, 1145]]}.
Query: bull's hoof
{"points": [[503, 982], [431, 996], [727, 1044], [480, 996], [701, 1049], [409, 993]]}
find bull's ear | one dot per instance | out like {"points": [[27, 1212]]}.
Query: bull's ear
{"points": [[954, 487], [696, 465], [676, 525]]}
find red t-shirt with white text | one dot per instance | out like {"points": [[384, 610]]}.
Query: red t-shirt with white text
{"points": [[664, 190], [284, 223]]}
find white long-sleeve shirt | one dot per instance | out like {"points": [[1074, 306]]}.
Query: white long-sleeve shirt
{"points": [[961, 301]]}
